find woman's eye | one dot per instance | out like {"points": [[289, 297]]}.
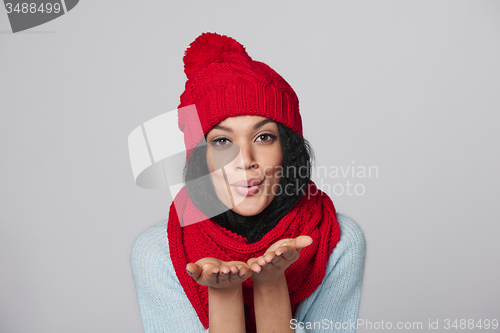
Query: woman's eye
{"points": [[220, 142], [267, 137]]}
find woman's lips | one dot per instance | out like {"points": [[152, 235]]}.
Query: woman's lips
{"points": [[245, 188]]}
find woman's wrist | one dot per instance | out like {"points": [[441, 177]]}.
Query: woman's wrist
{"points": [[224, 303], [272, 305], [271, 284], [233, 290], [267, 280]]}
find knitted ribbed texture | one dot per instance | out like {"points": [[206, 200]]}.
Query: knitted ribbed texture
{"points": [[223, 81], [314, 215], [165, 308]]}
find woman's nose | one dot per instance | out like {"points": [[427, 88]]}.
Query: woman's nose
{"points": [[246, 158]]}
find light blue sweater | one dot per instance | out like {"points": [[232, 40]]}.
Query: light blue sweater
{"points": [[165, 307]]}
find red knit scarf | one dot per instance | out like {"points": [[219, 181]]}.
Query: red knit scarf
{"points": [[314, 215]]}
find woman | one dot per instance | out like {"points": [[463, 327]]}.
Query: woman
{"points": [[270, 253]]}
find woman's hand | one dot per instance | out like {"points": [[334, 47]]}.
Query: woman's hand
{"points": [[226, 311], [219, 274], [277, 258]]}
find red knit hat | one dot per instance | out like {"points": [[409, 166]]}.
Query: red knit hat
{"points": [[223, 81]]}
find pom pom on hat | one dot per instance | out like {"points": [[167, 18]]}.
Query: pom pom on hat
{"points": [[224, 81], [209, 48]]}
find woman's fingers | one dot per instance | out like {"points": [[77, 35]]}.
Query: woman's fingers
{"points": [[287, 252], [256, 267], [278, 257], [240, 273], [215, 273], [262, 261], [245, 272], [194, 270], [270, 256], [211, 274], [254, 264], [205, 275], [233, 275], [224, 274], [301, 242], [290, 250]]}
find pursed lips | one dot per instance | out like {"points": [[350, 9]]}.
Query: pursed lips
{"points": [[247, 183], [247, 187]]}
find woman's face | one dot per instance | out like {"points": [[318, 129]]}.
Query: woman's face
{"points": [[248, 183]]}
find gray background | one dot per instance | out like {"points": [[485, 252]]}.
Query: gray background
{"points": [[411, 87]]}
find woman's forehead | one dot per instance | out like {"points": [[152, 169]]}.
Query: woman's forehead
{"points": [[243, 122]]}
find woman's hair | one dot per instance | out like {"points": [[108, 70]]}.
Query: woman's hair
{"points": [[295, 175]]}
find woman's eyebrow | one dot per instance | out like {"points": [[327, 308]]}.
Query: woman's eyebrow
{"points": [[260, 124], [223, 128]]}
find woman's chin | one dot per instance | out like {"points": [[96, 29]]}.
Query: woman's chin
{"points": [[246, 208]]}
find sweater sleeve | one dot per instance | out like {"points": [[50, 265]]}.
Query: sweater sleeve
{"points": [[334, 305], [163, 304]]}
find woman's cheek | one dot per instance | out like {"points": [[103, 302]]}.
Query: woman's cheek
{"points": [[273, 172], [220, 187]]}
